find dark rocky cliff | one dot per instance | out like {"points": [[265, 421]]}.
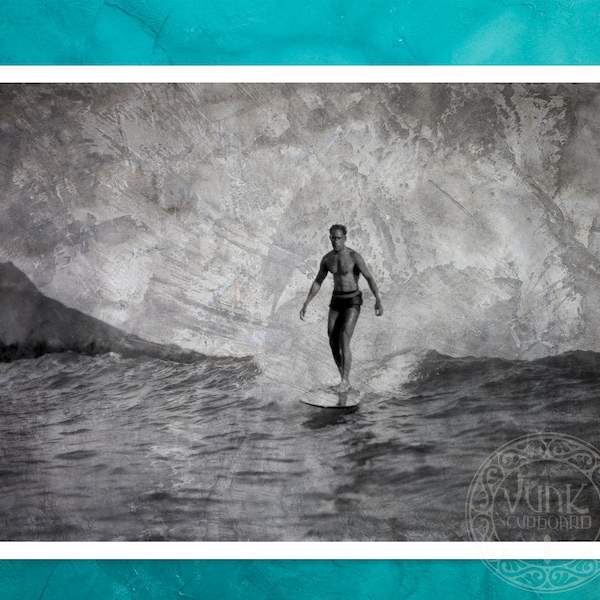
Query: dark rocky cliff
{"points": [[32, 324]]}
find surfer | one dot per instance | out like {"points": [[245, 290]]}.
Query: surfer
{"points": [[346, 266]]}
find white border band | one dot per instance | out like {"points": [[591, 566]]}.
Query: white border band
{"points": [[299, 550], [298, 74]]}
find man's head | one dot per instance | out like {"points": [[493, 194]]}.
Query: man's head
{"points": [[337, 235], [341, 228]]}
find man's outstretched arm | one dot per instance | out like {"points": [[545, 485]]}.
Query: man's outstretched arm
{"points": [[314, 288], [364, 271]]}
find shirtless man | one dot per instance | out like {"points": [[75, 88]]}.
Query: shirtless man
{"points": [[346, 266]]}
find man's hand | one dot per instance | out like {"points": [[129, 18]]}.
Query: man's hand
{"points": [[303, 313], [378, 309]]}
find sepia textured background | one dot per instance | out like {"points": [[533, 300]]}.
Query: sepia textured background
{"points": [[197, 214]]}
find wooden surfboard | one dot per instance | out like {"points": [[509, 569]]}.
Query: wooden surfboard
{"points": [[331, 398]]}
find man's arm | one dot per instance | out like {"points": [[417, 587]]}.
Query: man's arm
{"points": [[315, 287], [364, 271]]}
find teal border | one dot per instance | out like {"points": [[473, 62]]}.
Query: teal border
{"points": [[312, 32], [260, 579]]}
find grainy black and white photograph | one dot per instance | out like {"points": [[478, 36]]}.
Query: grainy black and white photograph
{"points": [[299, 312]]}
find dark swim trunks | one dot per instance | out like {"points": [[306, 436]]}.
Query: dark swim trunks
{"points": [[344, 301]]}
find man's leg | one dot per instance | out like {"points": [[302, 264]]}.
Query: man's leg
{"points": [[349, 318], [333, 331]]}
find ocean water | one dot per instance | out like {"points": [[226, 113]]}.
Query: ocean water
{"points": [[108, 448]]}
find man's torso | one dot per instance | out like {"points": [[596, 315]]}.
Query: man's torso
{"points": [[344, 270]]}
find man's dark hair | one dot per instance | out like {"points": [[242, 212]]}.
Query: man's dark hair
{"points": [[339, 227]]}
